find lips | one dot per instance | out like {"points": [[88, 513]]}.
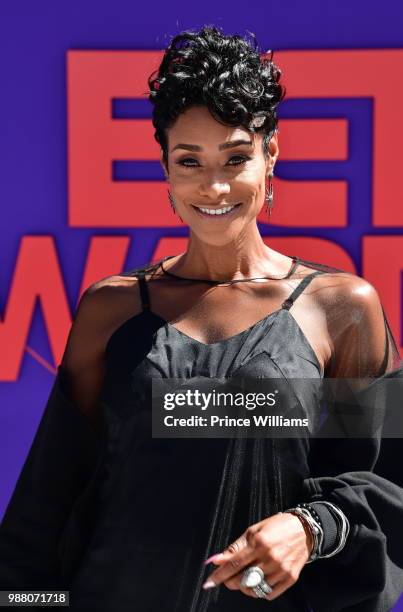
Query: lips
{"points": [[219, 215]]}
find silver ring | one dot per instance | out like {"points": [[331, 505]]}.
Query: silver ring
{"points": [[265, 586], [259, 592], [252, 576]]}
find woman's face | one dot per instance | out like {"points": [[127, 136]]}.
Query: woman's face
{"points": [[213, 166]]}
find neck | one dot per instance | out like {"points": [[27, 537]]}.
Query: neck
{"points": [[228, 262]]}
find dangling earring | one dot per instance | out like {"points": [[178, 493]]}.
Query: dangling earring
{"points": [[171, 201], [269, 195]]}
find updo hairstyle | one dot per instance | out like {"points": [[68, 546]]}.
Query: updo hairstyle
{"points": [[225, 73]]}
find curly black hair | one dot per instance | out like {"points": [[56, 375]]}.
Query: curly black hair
{"points": [[225, 73]]}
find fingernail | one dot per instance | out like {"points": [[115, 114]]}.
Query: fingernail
{"points": [[213, 558], [209, 584]]}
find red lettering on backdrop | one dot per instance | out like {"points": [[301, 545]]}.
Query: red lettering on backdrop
{"points": [[95, 140], [313, 139], [37, 275], [303, 203], [107, 255], [360, 73]]}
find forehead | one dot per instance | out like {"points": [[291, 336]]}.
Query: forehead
{"points": [[197, 126]]}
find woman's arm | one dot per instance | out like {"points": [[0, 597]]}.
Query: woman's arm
{"points": [[366, 575], [62, 463]]}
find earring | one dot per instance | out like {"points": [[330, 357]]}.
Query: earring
{"points": [[171, 201], [269, 195]]}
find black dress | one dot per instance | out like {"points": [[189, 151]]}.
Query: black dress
{"points": [[125, 520]]}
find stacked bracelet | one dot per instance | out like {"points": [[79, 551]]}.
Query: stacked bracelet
{"points": [[312, 510], [311, 518], [315, 528], [343, 528]]}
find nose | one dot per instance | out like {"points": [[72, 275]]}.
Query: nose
{"points": [[213, 187]]}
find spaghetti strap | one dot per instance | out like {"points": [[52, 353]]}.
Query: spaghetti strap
{"points": [[294, 265], [140, 273], [145, 296], [299, 289]]}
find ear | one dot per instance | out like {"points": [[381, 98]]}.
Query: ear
{"points": [[164, 167], [273, 153]]}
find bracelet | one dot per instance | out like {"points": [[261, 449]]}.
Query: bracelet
{"points": [[343, 531], [315, 528], [312, 511], [308, 513]]}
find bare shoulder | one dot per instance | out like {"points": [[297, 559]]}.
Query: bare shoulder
{"points": [[114, 299], [102, 307], [355, 324], [348, 297], [108, 302], [340, 295]]}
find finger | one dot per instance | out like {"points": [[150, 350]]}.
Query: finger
{"points": [[234, 583], [228, 569], [237, 556], [270, 568], [235, 547], [230, 551]]}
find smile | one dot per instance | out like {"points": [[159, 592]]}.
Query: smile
{"points": [[224, 211]]}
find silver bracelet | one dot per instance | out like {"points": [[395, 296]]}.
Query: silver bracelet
{"points": [[344, 530], [315, 528]]}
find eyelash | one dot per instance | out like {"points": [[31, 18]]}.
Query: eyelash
{"points": [[243, 157]]}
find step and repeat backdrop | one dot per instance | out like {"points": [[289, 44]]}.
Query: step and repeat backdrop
{"points": [[83, 194]]}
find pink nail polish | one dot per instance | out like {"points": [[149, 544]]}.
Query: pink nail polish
{"points": [[213, 558], [209, 584]]}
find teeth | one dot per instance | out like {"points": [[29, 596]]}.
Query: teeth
{"points": [[217, 211]]}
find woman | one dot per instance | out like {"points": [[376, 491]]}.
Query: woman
{"points": [[127, 521]]}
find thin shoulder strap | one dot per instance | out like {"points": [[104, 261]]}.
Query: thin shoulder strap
{"points": [[144, 294], [140, 273], [294, 265], [299, 289]]}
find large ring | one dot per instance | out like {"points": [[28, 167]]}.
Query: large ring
{"points": [[252, 576], [264, 586], [261, 593]]}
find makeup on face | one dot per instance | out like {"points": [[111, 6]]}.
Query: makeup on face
{"points": [[215, 171]]}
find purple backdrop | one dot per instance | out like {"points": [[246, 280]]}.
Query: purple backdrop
{"points": [[33, 171]]}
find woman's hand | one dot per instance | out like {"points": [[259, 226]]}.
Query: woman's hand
{"points": [[280, 545]]}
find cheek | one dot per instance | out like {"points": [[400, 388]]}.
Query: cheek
{"points": [[184, 183], [251, 184], [252, 178], [185, 190]]}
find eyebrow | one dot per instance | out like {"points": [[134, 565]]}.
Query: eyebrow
{"points": [[225, 145]]}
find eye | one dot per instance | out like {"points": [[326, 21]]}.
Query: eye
{"points": [[185, 162], [243, 159]]}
